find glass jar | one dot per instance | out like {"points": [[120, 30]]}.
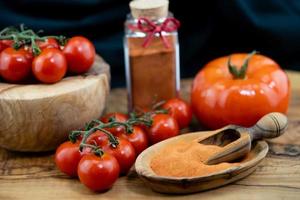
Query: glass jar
{"points": [[152, 61]]}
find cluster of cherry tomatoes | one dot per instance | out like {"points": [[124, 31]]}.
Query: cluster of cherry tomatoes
{"points": [[50, 64], [120, 149]]}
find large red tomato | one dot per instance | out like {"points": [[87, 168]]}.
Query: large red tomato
{"points": [[239, 95]]}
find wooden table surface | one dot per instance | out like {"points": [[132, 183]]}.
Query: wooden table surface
{"points": [[34, 175]]}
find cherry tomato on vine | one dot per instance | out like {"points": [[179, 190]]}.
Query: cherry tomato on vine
{"points": [[5, 44], [138, 138], [98, 173], [67, 157], [124, 151], [48, 43], [180, 110], [80, 54], [163, 127], [120, 117], [97, 138], [50, 66], [15, 65]]}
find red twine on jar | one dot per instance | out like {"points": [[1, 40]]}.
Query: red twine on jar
{"points": [[150, 28]]}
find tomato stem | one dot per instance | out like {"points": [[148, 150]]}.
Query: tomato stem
{"points": [[96, 150], [86, 134], [91, 124], [140, 121], [74, 135], [24, 36], [94, 125], [35, 49], [241, 73], [112, 139], [158, 105]]}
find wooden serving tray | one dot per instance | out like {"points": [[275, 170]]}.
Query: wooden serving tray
{"points": [[38, 117]]}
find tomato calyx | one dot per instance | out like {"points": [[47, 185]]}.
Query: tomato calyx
{"points": [[23, 36], [240, 73]]}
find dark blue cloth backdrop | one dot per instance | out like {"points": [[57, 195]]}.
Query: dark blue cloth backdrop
{"points": [[209, 29]]}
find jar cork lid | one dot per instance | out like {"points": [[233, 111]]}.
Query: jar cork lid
{"points": [[151, 9]]}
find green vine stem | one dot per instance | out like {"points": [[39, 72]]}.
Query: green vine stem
{"points": [[24, 36], [96, 150], [241, 73], [97, 125], [112, 139], [157, 105]]}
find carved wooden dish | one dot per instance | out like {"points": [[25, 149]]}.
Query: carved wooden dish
{"points": [[236, 142], [184, 185], [38, 117]]}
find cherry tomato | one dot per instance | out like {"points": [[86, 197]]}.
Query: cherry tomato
{"points": [[163, 127], [5, 44], [120, 117], [124, 152], [15, 65], [80, 54], [48, 43], [97, 138], [180, 110], [67, 157], [98, 173], [138, 138], [50, 66]]}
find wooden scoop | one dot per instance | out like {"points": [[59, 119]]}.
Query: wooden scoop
{"points": [[236, 140]]}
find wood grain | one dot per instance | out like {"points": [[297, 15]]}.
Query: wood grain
{"points": [[42, 115], [34, 176]]}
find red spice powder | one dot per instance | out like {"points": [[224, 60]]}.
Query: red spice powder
{"points": [[185, 159], [152, 71]]}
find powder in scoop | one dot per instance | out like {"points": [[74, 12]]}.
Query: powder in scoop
{"points": [[185, 159]]}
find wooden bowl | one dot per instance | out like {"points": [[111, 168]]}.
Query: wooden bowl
{"points": [[185, 185], [38, 117]]}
